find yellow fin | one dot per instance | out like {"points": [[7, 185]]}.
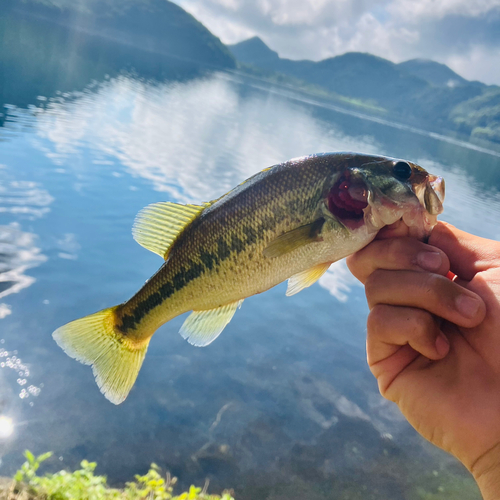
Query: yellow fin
{"points": [[157, 226], [294, 239], [306, 278], [203, 327], [116, 361]]}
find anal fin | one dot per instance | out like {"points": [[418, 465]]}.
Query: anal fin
{"points": [[203, 327], [306, 278]]}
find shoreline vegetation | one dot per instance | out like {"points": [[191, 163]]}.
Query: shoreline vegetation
{"points": [[419, 92], [83, 484]]}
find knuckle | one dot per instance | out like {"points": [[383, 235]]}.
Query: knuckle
{"points": [[398, 249], [354, 263], [420, 324], [391, 248], [370, 288], [373, 282], [430, 284], [376, 319], [384, 386]]}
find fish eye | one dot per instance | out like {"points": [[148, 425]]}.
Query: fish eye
{"points": [[402, 170]]}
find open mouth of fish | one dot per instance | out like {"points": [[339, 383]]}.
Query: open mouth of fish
{"points": [[352, 203], [348, 200]]}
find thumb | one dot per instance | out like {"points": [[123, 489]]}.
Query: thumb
{"points": [[468, 254]]}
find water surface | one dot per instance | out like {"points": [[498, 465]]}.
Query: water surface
{"points": [[282, 403]]}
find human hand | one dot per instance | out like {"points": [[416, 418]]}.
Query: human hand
{"points": [[434, 344]]}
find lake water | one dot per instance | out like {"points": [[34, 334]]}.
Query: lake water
{"points": [[282, 405]]}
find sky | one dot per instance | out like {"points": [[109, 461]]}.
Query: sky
{"points": [[464, 34]]}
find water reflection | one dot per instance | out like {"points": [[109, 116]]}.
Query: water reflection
{"points": [[18, 253], [69, 246], [193, 140], [339, 281], [24, 197]]}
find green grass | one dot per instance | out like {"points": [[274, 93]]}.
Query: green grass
{"points": [[83, 484], [415, 483]]}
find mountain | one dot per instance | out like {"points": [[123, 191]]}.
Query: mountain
{"points": [[353, 74], [420, 91], [62, 45], [435, 73], [254, 51], [157, 26]]}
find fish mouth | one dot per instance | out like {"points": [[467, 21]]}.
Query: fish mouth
{"points": [[347, 201], [430, 195], [354, 204], [435, 186]]}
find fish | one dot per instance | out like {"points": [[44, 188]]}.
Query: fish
{"points": [[288, 222]]}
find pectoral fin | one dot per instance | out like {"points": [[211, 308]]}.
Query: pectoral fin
{"points": [[294, 239], [306, 278], [158, 225], [203, 327]]}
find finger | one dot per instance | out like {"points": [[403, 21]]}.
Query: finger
{"points": [[432, 292], [390, 327], [397, 336], [396, 230], [397, 253], [468, 254]]}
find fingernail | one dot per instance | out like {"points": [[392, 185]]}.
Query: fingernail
{"points": [[429, 260], [442, 344], [467, 306]]}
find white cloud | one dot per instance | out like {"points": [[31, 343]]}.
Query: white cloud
{"points": [[412, 10], [371, 35], [395, 29], [298, 12], [479, 63], [222, 25]]}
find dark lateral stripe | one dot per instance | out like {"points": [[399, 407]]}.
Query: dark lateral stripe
{"points": [[208, 261], [251, 235]]}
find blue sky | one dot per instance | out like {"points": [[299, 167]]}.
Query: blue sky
{"points": [[464, 34]]}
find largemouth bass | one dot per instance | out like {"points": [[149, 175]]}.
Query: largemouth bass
{"points": [[290, 221]]}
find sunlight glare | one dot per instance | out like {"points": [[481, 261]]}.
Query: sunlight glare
{"points": [[6, 427]]}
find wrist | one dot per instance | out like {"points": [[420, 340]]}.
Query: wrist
{"points": [[486, 472]]}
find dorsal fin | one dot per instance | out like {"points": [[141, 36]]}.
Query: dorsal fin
{"points": [[157, 226]]}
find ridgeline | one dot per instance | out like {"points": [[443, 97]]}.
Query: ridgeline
{"points": [[420, 92]]}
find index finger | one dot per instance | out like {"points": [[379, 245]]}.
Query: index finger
{"points": [[397, 254]]}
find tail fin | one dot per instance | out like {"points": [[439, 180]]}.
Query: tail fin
{"points": [[115, 359]]}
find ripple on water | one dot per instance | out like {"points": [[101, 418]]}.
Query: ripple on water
{"points": [[18, 253]]}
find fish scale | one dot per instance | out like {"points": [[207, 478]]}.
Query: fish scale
{"points": [[277, 225]]}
